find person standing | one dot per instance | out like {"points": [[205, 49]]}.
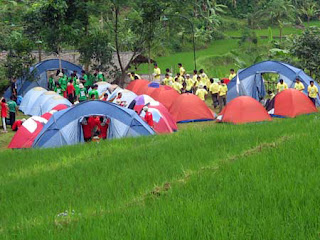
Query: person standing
{"points": [[214, 90], [156, 73], [14, 88], [71, 91], [223, 90], [82, 93], [95, 92], [281, 86], [232, 74], [148, 116], [13, 109], [4, 114], [189, 84], [58, 89], [202, 93], [313, 92], [182, 71], [51, 83], [299, 85]]}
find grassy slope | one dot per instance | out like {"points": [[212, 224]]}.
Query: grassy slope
{"points": [[217, 48], [255, 181]]}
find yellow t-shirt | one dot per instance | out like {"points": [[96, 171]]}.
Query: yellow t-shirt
{"points": [[313, 91], [214, 88], [204, 79], [201, 93], [190, 84], [231, 76], [299, 86], [194, 78], [180, 79], [157, 72], [182, 71], [168, 81], [223, 89], [281, 87], [177, 86]]}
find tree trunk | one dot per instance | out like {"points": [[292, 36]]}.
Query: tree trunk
{"points": [[280, 33], [149, 62], [117, 38]]}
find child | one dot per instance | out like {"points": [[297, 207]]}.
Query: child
{"points": [[58, 89], [4, 113]]}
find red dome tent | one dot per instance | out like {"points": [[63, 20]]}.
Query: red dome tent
{"points": [[165, 95], [243, 109], [137, 86], [190, 108], [28, 132], [290, 103]]}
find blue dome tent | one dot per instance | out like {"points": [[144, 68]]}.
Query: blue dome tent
{"points": [[64, 127], [251, 81], [39, 73]]}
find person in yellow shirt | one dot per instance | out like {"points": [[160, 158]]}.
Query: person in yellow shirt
{"points": [[195, 76], [214, 90], [167, 80], [299, 85], [201, 93], [189, 84], [179, 78], [223, 90], [281, 86], [133, 76], [313, 92], [232, 74], [156, 73], [182, 71], [204, 78], [177, 86]]}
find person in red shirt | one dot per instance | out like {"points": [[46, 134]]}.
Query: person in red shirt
{"points": [[17, 124], [70, 91], [105, 97], [148, 116], [103, 126], [4, 114], [87, 133]]}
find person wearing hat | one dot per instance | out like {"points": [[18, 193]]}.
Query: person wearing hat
{"points": [[148, 116], [201, 92], [189, 84], [94, 92], [223, 90], [17, 124], [156, 73], [82, 93], [299, 85]]}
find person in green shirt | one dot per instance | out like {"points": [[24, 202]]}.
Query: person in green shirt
{"points": [[84, 77], [58, 89], [101, 77], [77, 89], [12, 107], [90, 81], [51, 83], [82, 93], [95, 92]]}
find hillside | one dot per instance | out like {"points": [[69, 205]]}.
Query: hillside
{"points": [[208, 181]]}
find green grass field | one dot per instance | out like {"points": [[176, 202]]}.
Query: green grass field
{"points": [[208, 181]]}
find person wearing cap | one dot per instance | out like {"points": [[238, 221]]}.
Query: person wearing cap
{"points": [[223, 90], [182, 71], [156, 73], [148, 116], [189, 84], [17, 124], [201, 93], [82, 93], [299, 85], [214, 90], [177, 86], [95, 92], [313, 92], [167, 80], [281, 86], [232, 74]]}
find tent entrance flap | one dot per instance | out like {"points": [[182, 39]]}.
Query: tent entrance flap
{"points": [[258, 91]]}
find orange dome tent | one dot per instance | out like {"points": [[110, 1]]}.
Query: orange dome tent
{"points": [[190, 108], [165, 95], [290, 103], [137, 86], [243, 109]]}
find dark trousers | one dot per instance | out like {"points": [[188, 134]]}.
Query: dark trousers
{"points": [[222, 101], [215, 101], [71, 98], [12, 118], [313, 100]]}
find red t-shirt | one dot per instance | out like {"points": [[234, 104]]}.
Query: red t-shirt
{"points": [[17, 124], [149, 118], [104, 129], [4, 110], [70, 89]]}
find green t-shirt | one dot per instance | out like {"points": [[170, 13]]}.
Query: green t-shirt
{"points": [[89, 82], [12, 105], [76, 87], [83, 94], [101, 78], [95, 92], [58, 90], [51, 81]]}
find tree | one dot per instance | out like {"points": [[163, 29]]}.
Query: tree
{"points": [[309, 9], [306, 48]]}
